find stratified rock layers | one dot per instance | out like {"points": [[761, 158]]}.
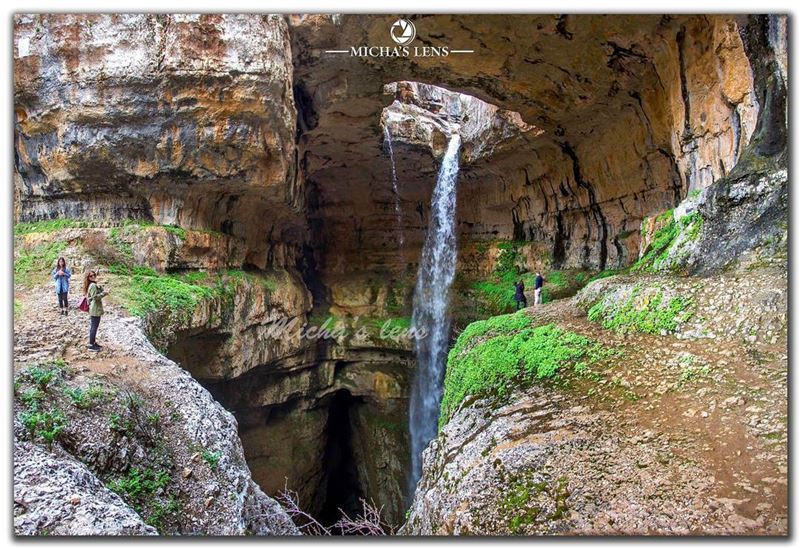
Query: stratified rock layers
{"points": [[185, 119], [242, 126]]}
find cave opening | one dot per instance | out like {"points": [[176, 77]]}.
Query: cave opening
{"points": [[343, 490]]}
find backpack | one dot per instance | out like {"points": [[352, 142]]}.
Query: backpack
{"points": [[84, 306]]}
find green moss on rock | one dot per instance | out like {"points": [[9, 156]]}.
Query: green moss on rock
{"points": [[492, 356], [643, 311]]}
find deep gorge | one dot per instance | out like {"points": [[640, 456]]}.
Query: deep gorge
{"points": [[273, 156]]}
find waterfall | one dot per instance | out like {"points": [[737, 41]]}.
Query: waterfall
{"points": [[437, 267], [397, 214]]}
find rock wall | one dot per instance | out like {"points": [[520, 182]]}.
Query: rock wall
{"points": [[151, 415], [184, 119], [632, 112], [241, 127]]}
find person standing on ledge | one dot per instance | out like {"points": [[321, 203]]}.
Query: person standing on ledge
{"points": [[94, 294], [61, 275], [519, 295], [538, 289]]}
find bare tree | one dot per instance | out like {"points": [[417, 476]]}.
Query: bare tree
{"points": [[367, 523], [304, 521]]}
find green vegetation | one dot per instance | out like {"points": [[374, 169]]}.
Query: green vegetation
{"points": [[665, 239], [211, 458], [160, 512], [48, 414], [31, 397], [139, 482], [646, 313], [690, 370], [493, 355], [44, 374], [35, 263], [120, 424], [176, 230], [522, 504], [173, 297], [85, 398], [140, 488], [496, 294], [48, 425], [44, 424], [147, 293], [52, 225]]}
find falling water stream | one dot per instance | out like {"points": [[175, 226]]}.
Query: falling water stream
{"points": [[397, 213], [435, 275]]}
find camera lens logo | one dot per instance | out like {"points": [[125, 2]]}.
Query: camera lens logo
{"points": [[403, 31]]}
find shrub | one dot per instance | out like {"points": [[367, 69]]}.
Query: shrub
{"points": [[118, 423], [85, 398], [139, 483], [103, 250], [32, 397]]}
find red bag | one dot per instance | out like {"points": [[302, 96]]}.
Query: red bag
{"points": [[84, 305]]}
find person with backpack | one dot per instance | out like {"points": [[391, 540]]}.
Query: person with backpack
{"points": [[94, 294], [537, 289], [61, 275]]}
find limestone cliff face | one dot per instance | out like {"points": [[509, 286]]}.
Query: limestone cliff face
{"points": [[633, 112], [185, 119], [191, 119], [242, 128]]}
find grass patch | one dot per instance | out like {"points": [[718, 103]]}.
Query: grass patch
{"points": [[149, 293], [513, 354], [176, 230], [51, 225], [36, 262]]}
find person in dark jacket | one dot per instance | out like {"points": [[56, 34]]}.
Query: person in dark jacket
{"points": [[537, 289], [61, 276], [519, 295], [94, 293]]}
